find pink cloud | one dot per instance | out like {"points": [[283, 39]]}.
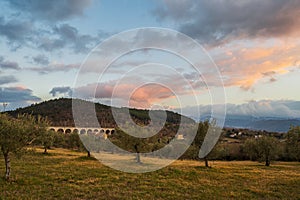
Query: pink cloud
{"points": [[244, 67], [136, 93]]}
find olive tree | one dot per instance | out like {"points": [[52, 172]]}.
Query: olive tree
{"points": [[264, 148], [203, 129], [131, 143], [47, 140], [17, 133], [292, 144]]}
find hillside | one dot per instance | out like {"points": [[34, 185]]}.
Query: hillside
{"points": [[59, 112]]}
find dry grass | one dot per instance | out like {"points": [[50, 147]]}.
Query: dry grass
{"points": [[65, 174]]}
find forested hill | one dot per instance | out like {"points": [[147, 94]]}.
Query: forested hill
{"points": [[59, 113]]}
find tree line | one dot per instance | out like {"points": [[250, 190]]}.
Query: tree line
{"points": [[265, 148]]}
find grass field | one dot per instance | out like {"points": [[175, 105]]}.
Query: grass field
{"points": [[64, 174]]}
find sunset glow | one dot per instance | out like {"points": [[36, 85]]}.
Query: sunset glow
{"points": [[256, 51]]}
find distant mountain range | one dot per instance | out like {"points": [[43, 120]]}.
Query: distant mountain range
{"points": [[266, 123], [270, 124]]}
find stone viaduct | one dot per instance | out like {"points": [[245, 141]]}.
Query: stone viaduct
{"points": [[82, 130]]}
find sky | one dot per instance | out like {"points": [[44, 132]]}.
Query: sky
{"points": [[48, 49]]}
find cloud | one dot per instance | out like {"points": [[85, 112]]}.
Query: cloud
{"points": [[216, 21], [68, 36], [8, 64], [51, 10], [61, 90], [16, 32], [244, 65], [7, 79], [269, 73], [266, 108], [262, 108], [272, 79], [17, 94], [55, 67], [20, 33], [41, 59], [140, 91], [125, 94]]}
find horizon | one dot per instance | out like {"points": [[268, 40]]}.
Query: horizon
{"points": [[205, 115], [240, 122], [45, 45]]}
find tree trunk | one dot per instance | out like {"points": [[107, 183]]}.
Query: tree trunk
{"points": [[45, 150], [7, 166], [206, 162], [138, 157], [267, 161]]}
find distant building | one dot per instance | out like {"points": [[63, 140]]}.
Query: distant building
{"points": [[258, 136], [180, 137]]}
